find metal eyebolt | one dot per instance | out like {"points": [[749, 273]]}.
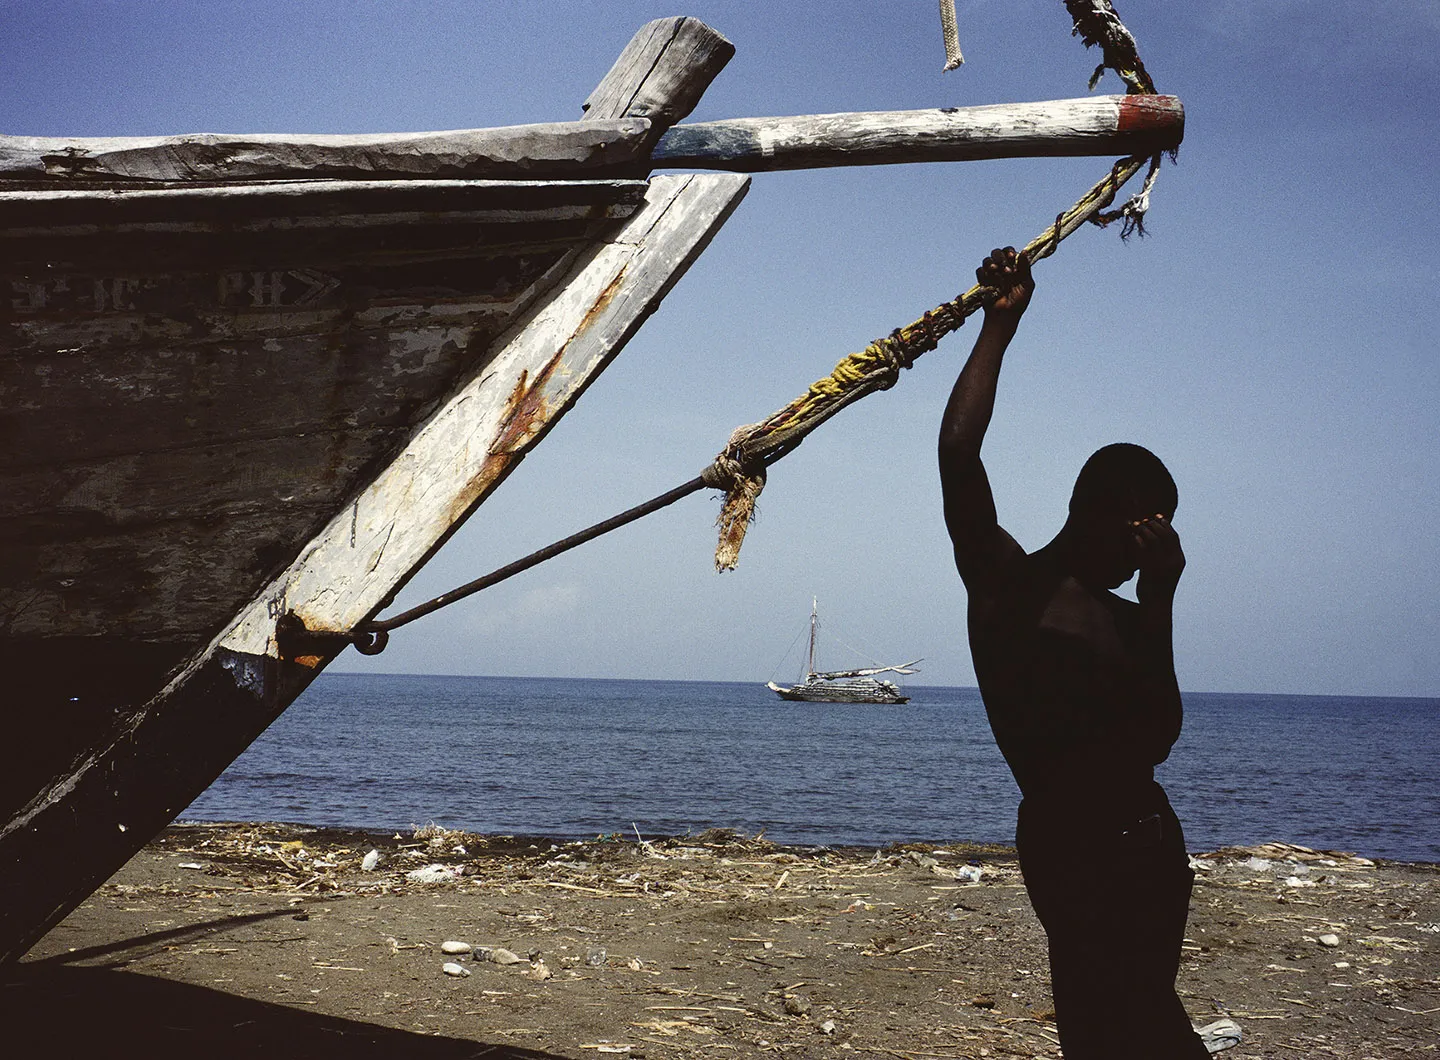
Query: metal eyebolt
{"points": [[371, 641]]}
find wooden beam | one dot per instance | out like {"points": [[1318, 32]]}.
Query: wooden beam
{"points": [[544, 150], [556, 149], [661, 74], [1098, 125]]}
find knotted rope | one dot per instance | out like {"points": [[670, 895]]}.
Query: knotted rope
{"points": [[740, 468]]}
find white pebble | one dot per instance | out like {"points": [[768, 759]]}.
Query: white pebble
{"points": [[451, 968], [1330, 940], [454, 948], [370, 861], [500, 955]]}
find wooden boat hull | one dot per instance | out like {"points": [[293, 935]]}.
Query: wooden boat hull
{"points": [[195, 474]]}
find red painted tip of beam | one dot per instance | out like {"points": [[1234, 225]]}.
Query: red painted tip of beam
{"points": [[1162, 116]]}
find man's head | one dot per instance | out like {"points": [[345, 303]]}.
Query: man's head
{"points": [[1119, 485]]}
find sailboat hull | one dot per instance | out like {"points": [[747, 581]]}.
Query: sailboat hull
{"points": [[858, 691]]}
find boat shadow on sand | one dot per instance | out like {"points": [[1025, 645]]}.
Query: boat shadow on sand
{"points": [[61, 1004]]}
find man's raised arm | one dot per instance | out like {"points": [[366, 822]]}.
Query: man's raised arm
{"points": [[981, 546]]}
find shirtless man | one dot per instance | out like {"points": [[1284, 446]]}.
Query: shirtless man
{"points": [[1079, 686]]}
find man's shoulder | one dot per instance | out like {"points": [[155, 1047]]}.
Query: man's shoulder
{"points": [[1009, 586]]}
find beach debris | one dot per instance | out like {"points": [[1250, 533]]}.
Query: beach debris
{"points": [[1256, 864], [1329, 939], [1296, 881], [797, 1004], [459, 971], [436, 874], [500, 955], [595, 956], [370, 861], [191, 865], [453, 948], [828, 1027], [1220, 1035], [635, 964], [539, 971]]}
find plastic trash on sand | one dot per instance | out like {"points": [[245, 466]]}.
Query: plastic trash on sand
{"points": [[1220, 1035]]}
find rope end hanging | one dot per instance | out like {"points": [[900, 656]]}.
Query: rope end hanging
{"points": [[735, 517], [1133, 212], [1095, 22], [953, 59], [742, 484]]}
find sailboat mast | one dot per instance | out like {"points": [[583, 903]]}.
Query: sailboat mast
{"points": [[814, 625]]}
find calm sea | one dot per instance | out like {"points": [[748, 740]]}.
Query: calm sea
{"points": [[581, 758]]}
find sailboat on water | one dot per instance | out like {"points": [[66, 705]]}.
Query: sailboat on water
{"points": [[842, 686]]}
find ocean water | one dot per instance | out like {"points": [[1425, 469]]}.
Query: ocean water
{"points": [[579, 758]]}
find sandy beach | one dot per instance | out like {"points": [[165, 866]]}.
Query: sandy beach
{"points": [[276, 940]]}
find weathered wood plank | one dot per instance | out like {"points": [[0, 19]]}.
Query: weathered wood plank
{"points": [[62, 412], [309, 203], [555, 150], [172, 579], [467, 448], [1099, 125], [661, 74]]}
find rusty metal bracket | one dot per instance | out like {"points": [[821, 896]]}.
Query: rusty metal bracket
{"points": [[299, 643]]}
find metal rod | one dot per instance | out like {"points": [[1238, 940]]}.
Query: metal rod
{"points": [[526, 562]]}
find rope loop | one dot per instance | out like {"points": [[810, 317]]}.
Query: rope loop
{"points": [[723, 472]]}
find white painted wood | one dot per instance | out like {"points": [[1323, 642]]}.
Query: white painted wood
{"points": [[550, 149], [452, 463], [1103, 125]]}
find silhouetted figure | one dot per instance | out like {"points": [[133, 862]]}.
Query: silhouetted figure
{"points": [[1079, 686]]}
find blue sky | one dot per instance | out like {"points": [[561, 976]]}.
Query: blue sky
{"points": [[1274, 339]]}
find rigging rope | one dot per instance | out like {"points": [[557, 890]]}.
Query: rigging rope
{"points": [[953, 59], [739, 469], [752, 448]]}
